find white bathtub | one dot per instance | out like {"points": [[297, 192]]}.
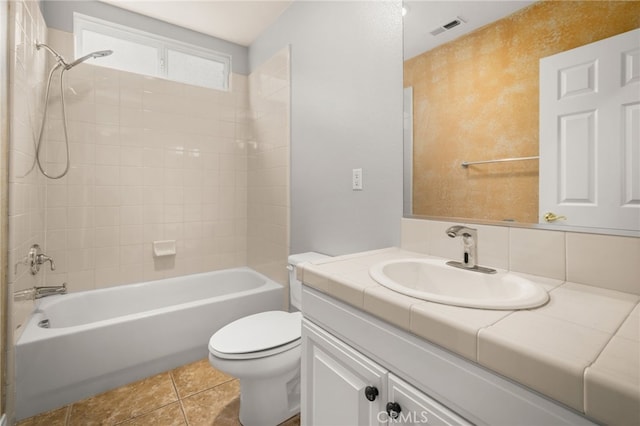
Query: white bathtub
{"points": [[101, 339]]}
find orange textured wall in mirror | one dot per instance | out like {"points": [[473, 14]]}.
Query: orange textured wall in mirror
{"points": [[476, 98]]}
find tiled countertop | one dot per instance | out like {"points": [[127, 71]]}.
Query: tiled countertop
{"points": [[582, 348]]}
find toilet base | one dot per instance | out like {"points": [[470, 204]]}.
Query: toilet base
{"points": [[269, 386], [269, 402]]}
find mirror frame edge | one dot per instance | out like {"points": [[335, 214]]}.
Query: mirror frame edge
{"points": [[535, 226]]}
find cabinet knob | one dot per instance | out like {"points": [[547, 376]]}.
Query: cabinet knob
{"points": [[393, 410], [371, 392]]}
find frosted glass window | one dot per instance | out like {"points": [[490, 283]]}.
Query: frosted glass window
{"points": [[197, 70], [149, 54], [127, 55]]}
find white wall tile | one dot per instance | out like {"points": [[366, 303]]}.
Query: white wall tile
{"points": [[152, 159], [108, 236], [440, 244], [493, 246], [606, 261], [538, 252]]}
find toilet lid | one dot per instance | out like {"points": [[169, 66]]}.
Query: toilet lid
{"points": [[257, 333]]}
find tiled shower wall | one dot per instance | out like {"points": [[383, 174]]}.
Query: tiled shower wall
{"points": [[26, 187], [268, 168], [151, 160]]}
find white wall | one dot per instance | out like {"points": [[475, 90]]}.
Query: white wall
{"points": [[346, 88]]}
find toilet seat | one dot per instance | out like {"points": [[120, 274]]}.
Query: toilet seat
{"points": [[257, 336]]}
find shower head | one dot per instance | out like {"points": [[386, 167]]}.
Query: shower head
{"points": [[98, 54], [68, 66]]}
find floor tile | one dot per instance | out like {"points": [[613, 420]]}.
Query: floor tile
{"points": [[196, 377], [50, 418], [217, 406], [124, 403], [293, 421], [206, 397], [169, 415]]}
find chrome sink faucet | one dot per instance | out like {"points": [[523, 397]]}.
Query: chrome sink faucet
{"points": [[470, 249], [469, 237]]}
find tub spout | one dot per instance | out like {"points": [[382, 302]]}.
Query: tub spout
{"points": [[45, 291], [39, 292]]}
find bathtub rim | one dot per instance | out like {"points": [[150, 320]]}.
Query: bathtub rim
{"points": [[31, 332]]}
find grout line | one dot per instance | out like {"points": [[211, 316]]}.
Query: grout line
{"points": [[173, 383], [184, 413], [67, 417], [145, 413]]}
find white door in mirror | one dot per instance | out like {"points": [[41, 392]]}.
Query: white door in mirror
{"points": [[590, 134]]}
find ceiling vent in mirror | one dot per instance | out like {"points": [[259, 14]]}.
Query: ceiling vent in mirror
{"points": [[447, 26]]}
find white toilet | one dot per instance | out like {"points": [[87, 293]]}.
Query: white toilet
{"points": [[263, 352]]}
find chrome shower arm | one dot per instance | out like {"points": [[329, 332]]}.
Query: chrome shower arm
{"points": [[58, 56]]}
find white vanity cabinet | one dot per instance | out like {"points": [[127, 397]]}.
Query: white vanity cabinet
{"points": [[345, 350], [343, 387], [334, 380], [417, 408]]}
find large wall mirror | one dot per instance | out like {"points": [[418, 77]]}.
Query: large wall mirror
{"points": [[472, 94]]}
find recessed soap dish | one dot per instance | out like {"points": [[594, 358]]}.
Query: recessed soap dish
{"points": [[164, 248]]}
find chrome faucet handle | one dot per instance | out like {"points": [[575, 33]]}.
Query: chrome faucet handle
{"points": [[43, 258], [34, 258]]}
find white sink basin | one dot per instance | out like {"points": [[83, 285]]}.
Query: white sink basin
{"points": [[434, 281]]}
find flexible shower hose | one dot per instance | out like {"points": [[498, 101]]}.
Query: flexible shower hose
{"points": [[64, 123]]}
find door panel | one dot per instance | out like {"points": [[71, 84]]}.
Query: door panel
{"points": [[590, 134]]}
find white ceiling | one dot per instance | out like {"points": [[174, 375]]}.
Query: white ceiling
{"points": [[424, 16], [238, 21], [242, 21]]}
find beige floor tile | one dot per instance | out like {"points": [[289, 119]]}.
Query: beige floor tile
{"points": [[293, 421], [208, 398], [196, 377], [50, 418], [124, 403], [217, 406], [169, 415]]}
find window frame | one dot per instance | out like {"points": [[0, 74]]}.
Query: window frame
{"points": [[83, 22]]}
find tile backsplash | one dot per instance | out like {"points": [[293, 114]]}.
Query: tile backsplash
{"points": [[604, 261]]}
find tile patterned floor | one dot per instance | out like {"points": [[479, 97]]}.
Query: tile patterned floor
{"points": [[195, 395]]}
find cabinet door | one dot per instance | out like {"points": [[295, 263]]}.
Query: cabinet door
{"points": [[416, 408], [334, 382]]}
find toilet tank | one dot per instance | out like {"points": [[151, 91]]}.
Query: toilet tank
{"points": [[295, 286]]}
